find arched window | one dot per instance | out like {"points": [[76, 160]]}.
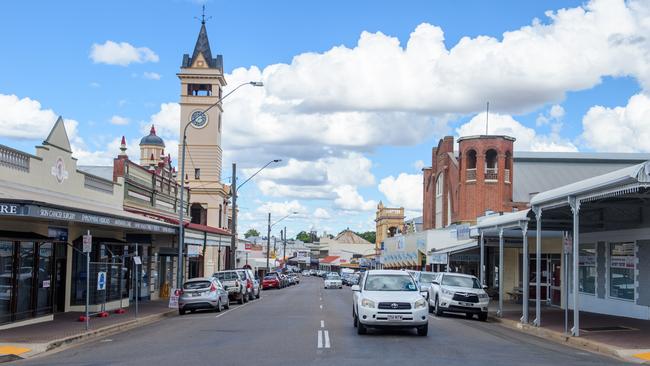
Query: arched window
{"points": [[439, 200], [491, 169], [471, 165]]}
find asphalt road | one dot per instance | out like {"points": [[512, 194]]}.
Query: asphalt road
{"points": [[307, 325]]}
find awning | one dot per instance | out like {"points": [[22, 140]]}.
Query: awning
{"points": [[330, 259], [507, 220]]}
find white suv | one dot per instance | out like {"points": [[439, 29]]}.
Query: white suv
{"points": [[458, 293], [389, 299]]}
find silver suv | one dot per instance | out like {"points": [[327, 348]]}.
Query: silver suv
{"points": [[252, 285], [235, 285]]}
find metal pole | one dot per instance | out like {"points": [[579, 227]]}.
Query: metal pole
{"points": [[181, 235], [284, 250], [500, 311], [233, 239], [538, 267], [566, 284], [575, 207], [137, 282], [482, 273], [87, 286], [526, 279], [268, 245]]}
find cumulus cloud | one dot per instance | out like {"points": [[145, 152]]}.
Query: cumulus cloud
{"points": [[349, 199], [403, 191], [527, 138], [24, 118], [166, 120], [151, 75], [122, 54], [321, 214], [119, 120], [621, 129], [279, 210]]}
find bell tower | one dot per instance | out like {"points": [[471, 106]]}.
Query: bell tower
{"points": [[202, 79]]}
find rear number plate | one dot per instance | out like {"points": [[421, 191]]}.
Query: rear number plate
{"points": [[196, 294], [394, 317]]}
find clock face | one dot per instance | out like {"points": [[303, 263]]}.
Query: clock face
{"points": [[199, 119]]}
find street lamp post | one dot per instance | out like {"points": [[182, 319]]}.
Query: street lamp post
{"points": [[268, 237], [181, 211], [235, 189]]}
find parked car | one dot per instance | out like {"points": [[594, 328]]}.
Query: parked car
{"points": [[284, 280], [306, 273], [234, 284], [458, 293], [202, 293], [389, 298], [252, 289], [333, 280], [271, 280], [354, 279], [295, 278], [424, 280]]}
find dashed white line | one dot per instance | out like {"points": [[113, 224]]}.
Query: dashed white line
{"points": [[320, 339], [322, 323], [327, 339], [321, 307]]}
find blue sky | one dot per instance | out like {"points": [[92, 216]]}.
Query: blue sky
{"points": [[371, 110]]}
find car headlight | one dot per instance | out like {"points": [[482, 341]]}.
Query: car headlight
{"points": [[422, 303], [483, 296], [367, 303], [447, 292]]}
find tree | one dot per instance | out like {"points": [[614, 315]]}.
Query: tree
{"points": [[304, 237], [251, 232], [370, 236]]}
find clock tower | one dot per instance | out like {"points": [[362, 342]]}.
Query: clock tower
{"points": [[202, 79]]}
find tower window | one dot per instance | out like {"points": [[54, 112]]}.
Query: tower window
{"points": [[200, 90], [197, 173]]}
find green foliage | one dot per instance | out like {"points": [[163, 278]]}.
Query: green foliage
{"points": [[369, 236], [304, 237], [251, 232]]}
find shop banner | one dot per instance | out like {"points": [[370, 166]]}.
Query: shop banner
{"points": [[173, 298]]}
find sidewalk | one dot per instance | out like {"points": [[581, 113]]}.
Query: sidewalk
{"points": [[626, 338], [30, 340]]}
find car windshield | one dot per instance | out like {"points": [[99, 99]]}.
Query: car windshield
{"points": [[196, 285], [390, 283], [426, 278], [460, 281], [333, 277], [226, 276]]}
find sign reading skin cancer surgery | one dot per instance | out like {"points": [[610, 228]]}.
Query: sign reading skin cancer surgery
{"points": [[101, 281], [173, 298]]}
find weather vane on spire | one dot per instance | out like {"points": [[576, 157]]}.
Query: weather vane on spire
{"points": [[203, 18]]}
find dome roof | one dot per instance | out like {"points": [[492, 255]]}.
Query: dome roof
{"points": [[152, 139]]}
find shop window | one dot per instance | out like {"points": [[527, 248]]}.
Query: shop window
{"points": [[621, 270], [197, 173], [6, 274], [587, 269]]}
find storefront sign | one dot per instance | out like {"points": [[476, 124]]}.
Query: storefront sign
{"points": [[87, 243], [9, 209], [462, 232], [46, 284], [173, 298], [620, 261], [439, 258]]}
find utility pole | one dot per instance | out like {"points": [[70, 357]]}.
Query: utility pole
{"points": [[284, 250], [233, 239], [268, 245]]}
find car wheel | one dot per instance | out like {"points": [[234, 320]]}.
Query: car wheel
{"points": [[423, 330], [483, 316], [258, 294], [361, 329], [469, 315], [241, 299], [218, 308], [438, 311], [227, 305], [430, 307], [355, 319], [181, 311]]}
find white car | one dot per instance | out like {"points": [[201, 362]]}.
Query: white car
{"points": [[389, 299], [458, 293], [333, 280]]}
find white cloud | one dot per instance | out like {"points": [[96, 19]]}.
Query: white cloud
{"points": [[166, 120], [119, 120], [321, 214], [527, 138], [419, 165], [279, 210], [403, 191], [350, 199], [621, 129], [24, 118], [151, 75], [122, 53], [95, 84]]}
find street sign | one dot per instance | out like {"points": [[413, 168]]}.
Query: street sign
{"points": [[101, 280], [567, 241], [137, 260], [87, 243]]}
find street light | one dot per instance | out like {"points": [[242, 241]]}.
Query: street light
{"points": [[181, 227], [268, 237], [235, 188]]}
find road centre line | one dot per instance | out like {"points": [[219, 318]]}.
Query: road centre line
{"points": [[321, 307], [322, 323], [327, 338], [320, 339]]}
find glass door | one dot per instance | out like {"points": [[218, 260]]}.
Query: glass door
{"points": [[556, 281], [25, 281], [6, 280]]}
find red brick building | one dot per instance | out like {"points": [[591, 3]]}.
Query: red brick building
{"points": [[459, 188]]}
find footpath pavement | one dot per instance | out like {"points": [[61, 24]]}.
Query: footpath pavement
{"points": [[30, 340], [625, 338]]}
